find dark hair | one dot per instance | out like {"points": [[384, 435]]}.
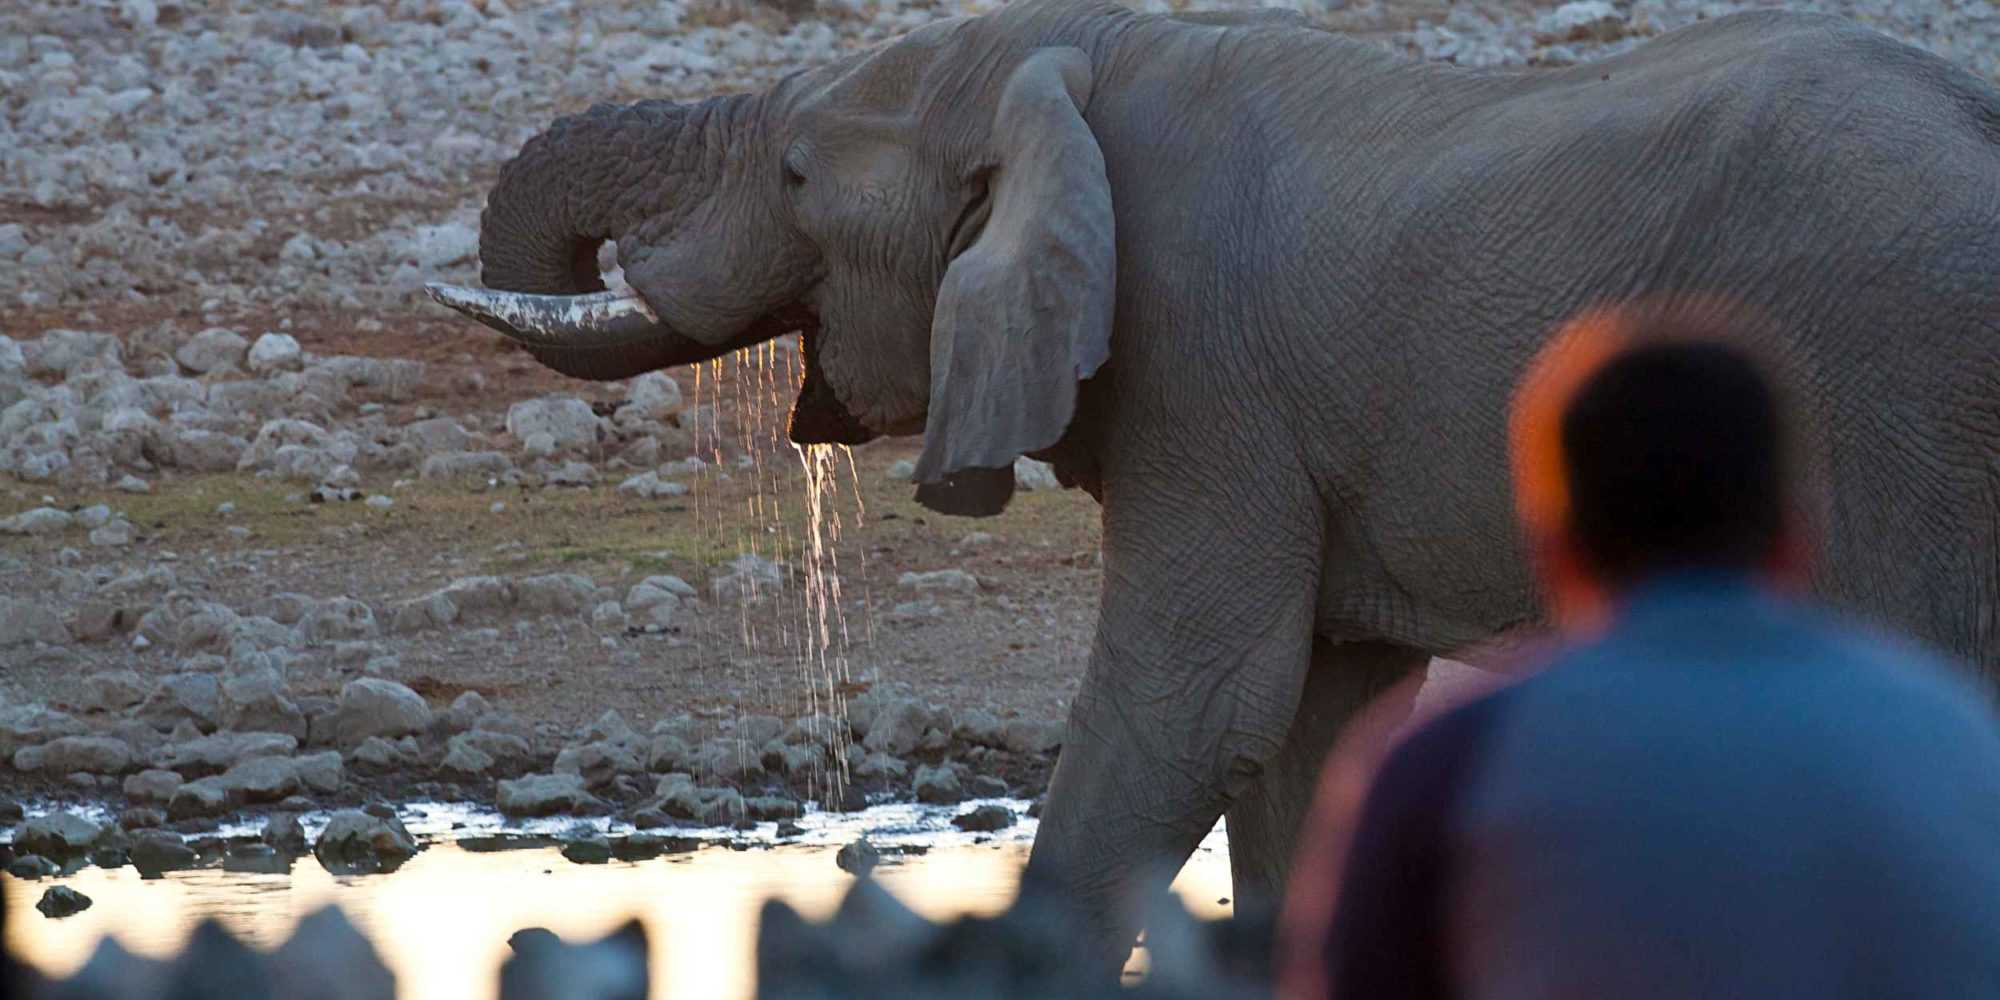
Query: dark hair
{"points": [[1676, 453]]}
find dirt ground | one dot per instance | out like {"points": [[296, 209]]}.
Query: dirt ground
{"points": [[1016, 646]]}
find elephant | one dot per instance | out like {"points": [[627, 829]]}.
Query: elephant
{"points": [[1263, 291]]}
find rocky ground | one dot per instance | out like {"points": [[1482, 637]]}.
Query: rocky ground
{"points": [[248, 575], [276, 532]]}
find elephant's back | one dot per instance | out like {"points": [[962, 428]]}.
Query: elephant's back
{"points": [[1841, 184], [1804, 164]]}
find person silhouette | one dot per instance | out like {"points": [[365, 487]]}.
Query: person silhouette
{"points": [[1712, 787]]}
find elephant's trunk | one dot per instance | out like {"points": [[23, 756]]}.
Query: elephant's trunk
{"points": [[580, 182], [589, 178]]}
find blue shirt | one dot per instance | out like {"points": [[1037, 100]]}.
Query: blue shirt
{"points": [[1727, 795]]}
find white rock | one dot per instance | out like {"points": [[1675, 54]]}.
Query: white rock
{"points": [[95, 516], [749, 576], [275, 352], [656, 600], [90, 754], [642, 451], [909, 611], [353, 836], [212, 349], [320, 772], [298, 250], [56, 834], [436, 247], [555, 593], [59, 351], [139, 13], [953, 580], [192, 697], [1580, 21], [703, 422], [300, 450], [438, 435], [1032, 475], [197, 450], [463, 759], [432, 610], [256, 701], [463, 464], [117, 533], [480, 593], [153, 786], [23, 622], [571, 474], [650, 486], [608, 614], [380, 502], [338, 620], [655, 394], [903, 470], [373, 706], [39, 521], [671, 584], [114, 691], [543, 794]]}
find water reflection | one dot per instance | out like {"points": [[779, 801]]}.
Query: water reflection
{"points": [[441, 921]]}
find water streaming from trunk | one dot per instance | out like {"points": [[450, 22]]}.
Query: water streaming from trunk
{"points": [[796, 521]]}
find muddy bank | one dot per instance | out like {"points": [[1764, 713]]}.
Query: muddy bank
{"points": [[54, 840], [151, 766]]}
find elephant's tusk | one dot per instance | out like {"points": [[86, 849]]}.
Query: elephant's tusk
{"points": [[599, 319]]}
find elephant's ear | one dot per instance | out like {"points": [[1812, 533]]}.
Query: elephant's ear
{"points": [[1024, 313]]}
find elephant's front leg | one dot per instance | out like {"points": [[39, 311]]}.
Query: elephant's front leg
{"points": [[1202, 645]]}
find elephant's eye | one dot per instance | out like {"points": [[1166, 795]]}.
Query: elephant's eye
{"points": [[980, 183], [795, 173], [972, 218]]}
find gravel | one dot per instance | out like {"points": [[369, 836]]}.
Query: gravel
{"points": [[228, 154]]}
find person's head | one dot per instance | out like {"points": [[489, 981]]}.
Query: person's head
{"points": [[1649, 440]]}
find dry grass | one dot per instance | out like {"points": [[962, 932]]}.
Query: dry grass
{"points": [[597, 531]]}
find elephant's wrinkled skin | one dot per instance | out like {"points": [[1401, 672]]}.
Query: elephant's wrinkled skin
{"points": [[1310, 273]]}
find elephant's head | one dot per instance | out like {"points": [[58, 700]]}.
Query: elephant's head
{"points": [[932, 215]]}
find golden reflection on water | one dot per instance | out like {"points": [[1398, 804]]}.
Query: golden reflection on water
{"points": [[441, 922]]}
